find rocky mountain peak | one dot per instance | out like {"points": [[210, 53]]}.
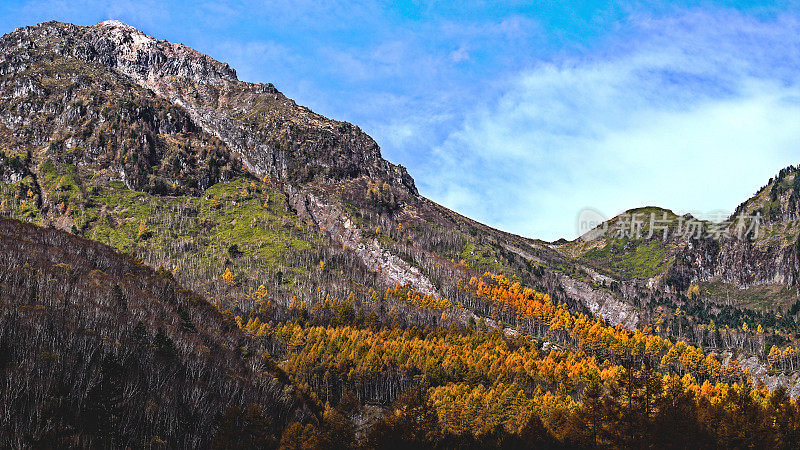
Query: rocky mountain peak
{"points": [[777, 202], [118, 25], [144, 58], [129, 38], [268, 132]]}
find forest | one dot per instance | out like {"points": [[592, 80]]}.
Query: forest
{"points": [[571, 382], [500, 365], [497, 365], [146, 362]]}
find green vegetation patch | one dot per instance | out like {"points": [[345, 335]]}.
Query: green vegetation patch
{"points": [[632, 258], [767, 297], [485, 258], [239, 213]]}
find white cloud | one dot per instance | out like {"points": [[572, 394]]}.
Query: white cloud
{"points": [[695, 114], [461, 54]]}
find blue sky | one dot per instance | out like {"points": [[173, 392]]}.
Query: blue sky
{"points": [[519, 114]]}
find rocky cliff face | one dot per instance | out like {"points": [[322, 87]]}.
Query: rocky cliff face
{"points": [[56, 107], [271, 134], [766, 252], [740, 263]]}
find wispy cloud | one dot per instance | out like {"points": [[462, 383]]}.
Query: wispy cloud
{"points": [[691, 113]]}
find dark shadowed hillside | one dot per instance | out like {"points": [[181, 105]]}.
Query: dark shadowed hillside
{"points": [[99, 350]]}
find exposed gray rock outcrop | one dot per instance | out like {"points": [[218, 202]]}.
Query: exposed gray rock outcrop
{"points": [[273, 135], [332, 220], [601, 302]]}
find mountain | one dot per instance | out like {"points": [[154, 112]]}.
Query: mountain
{"points": [[85, 108], [112, 130], [193, 260]]}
